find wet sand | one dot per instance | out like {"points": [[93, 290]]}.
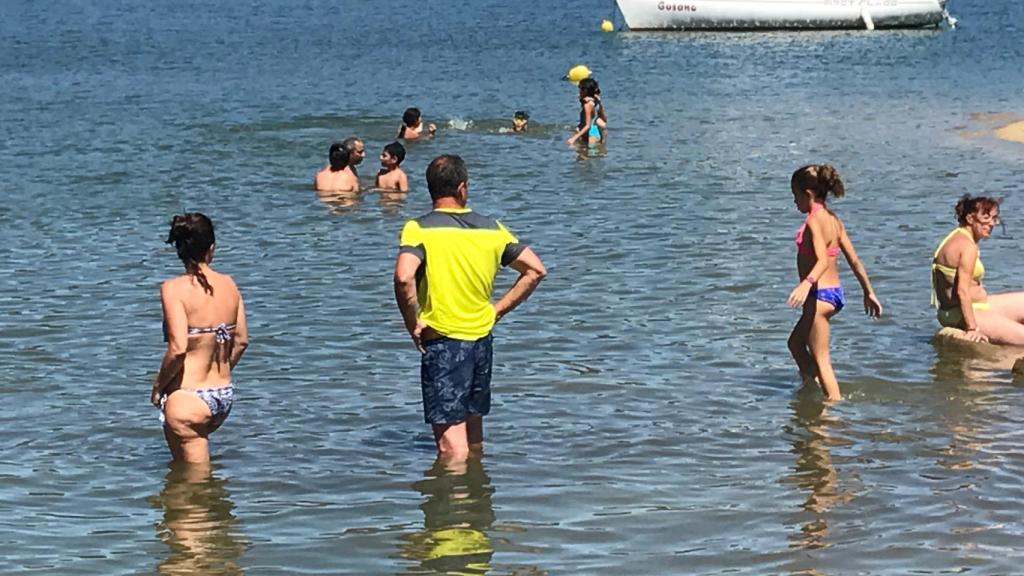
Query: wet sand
{"points": [[1013, 132], [1006, 126]]}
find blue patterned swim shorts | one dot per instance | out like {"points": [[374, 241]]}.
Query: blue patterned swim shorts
{"points": [[456, 379]]}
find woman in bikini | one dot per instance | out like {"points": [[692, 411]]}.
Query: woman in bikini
{"points": [[819, 241], [204, 325], [957, 272]]}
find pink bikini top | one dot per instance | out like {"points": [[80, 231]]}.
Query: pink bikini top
{"points": [[809, 249]]}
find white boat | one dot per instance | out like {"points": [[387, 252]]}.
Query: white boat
{"points": [[780, 14]]}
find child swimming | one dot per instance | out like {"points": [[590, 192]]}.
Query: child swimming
{"points": [[819, 240], [520, 121], [412, 126], [592, 124], [391, 177]]}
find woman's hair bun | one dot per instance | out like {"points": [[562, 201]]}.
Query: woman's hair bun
{"points": [[180, 228]]}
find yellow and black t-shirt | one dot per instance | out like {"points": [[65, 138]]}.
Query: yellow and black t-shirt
{"points": [[461, 252]]}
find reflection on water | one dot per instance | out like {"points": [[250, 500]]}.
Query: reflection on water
{"points": [[198, 525], [814, 470], [457, 514], [958, 360], [340, 202], [963, 377], [588, 151], [391, 201]]}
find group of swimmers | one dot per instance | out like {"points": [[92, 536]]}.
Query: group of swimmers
{"points": [[341, 173], [204, 315]]}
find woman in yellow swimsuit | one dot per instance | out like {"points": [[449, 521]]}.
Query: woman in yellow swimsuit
{"points": [[957, 272]]}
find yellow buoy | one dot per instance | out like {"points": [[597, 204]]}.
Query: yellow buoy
{"points": [[577, 73], [607, 26]]}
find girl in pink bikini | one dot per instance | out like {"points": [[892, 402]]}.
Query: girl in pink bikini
{"points": [[819, 240]]}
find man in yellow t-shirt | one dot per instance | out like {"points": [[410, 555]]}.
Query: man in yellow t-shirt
{"points": [[444, 276]]}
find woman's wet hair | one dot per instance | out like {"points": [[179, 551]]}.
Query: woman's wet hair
{"points": [[411, 116], [975, 205], [192, 236], [820, 179], [338, 156], [589, 88]]}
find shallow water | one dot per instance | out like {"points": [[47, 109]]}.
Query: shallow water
{"points": [[647, 418]]}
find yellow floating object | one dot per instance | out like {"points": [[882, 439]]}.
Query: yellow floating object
{"points": [[577, 73], [607, 26]]}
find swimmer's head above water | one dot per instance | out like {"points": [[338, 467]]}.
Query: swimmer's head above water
{"points": [[338, 157], [412, 124], [520, 121], [355, 149], [411, 117], [393, 155]]}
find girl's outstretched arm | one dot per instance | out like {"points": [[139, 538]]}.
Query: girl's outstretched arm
{"points": [[872, 307]]}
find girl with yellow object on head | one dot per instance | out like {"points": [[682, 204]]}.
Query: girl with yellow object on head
{"points": [[957, 272]]}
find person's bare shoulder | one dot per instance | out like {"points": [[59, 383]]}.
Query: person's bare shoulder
{"points": [[322, 179], [388, 180], [351, 182], [228, 283], [172, 287]]}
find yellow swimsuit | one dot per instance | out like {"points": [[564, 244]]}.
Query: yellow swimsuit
{"points": [[953, 317]]}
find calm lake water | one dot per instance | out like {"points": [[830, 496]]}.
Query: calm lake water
{"points": [[647, 417]]}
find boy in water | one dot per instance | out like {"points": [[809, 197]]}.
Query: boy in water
{"points": [[412, 125], [520, 121], [391, 177]]}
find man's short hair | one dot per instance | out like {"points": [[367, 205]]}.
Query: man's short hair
{"points": [[396, 150], [444, 174], [350, 144], [338, 157]]}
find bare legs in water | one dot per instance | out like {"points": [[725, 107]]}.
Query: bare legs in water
{"points": [[809, 345]]}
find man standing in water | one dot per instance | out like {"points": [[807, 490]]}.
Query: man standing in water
{"points": [[356, 152], [444, 276]]}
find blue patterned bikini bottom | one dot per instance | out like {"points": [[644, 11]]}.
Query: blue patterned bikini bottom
{"points": [[832, 295], [219, 400]]}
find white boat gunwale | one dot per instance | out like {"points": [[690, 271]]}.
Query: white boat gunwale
{"points": [[749, 15]]}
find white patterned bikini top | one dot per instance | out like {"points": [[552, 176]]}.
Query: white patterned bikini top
{"points": [[221, 332]]}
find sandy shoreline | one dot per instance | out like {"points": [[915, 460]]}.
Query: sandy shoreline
{"points": [[1013, 132]]}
